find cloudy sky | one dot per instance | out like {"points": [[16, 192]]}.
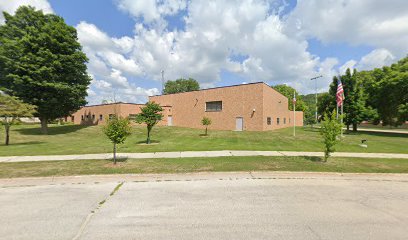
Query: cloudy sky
{"points": [[218, 43]]}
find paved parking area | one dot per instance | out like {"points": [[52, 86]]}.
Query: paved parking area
{"points": [[206, 206]]}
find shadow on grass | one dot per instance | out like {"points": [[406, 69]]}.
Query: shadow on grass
{"points": [[203, 135], [144, 142], [378, 134], [23, 143], [314, 159], [52, 130], [309, 129], [118, 159]]}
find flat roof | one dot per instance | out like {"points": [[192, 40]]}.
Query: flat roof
{"points": [[236, 85], [104, 104]]}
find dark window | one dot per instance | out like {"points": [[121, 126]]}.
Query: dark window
{"points": [[72, 118], [284, 120], [269, 120], [66, 119], [93, 117], [86, 117], [132, 117], [100, 117], [82, 117], [277, 121], [215, 106]]}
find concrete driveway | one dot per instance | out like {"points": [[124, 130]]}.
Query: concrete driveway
{"points": [[206, 206]]}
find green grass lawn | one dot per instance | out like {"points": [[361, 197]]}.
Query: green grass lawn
{"points": [[75, 139], [184, 165]]}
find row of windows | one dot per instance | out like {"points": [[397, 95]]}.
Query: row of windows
{"points": [[88, 117], [269, 121]]}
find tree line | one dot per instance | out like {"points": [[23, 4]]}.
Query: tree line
{"points": [[377, 96]]}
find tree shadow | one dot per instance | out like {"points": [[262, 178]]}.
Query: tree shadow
{"points": [[309, 129], [378, 134], [151, 142], [119, 159], [23, 143], [315, 159], [52, 130]]}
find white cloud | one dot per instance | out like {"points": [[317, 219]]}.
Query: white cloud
{"points": [[375, 59], [10, 6], [376, 23], [151, 10]]}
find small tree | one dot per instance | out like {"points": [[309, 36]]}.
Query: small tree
{"points": [[11, 109], [117, 129], [206, 122], [150, 115], [330, 130]]}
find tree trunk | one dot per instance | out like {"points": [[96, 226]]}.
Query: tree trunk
{"points": [[348, 127], [205, 131], [44, 125], [114, 153], [354, 127], [148, 135], [7, 134]]}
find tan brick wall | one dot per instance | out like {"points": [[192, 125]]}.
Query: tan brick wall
{"points": [[189, 108], [121, 109], [276, 106]]}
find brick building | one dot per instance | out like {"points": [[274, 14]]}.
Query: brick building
{"points": [[252, 107]]}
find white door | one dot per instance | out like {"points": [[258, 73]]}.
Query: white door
{"points": [[239, 124], [169, 120]]}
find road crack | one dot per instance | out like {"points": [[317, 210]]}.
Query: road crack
{"points": [[95, 210]]}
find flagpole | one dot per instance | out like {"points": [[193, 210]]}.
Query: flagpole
{"points": [[294, 114], [342, 118]]}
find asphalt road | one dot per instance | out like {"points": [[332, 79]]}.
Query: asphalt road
{"points": [[206, 206]]}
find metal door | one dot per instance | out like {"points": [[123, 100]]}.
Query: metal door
{"points": [[239, 124], [169, 120]]}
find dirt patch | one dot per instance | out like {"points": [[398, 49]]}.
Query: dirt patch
{"points": [[145, 144]]}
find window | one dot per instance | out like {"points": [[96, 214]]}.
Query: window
{"points": [[82, 117], [284, 120], [268, 120], [93, 117], [215, 106], [277, 121], [289, 120], [132, 117], [87, 117], [72, 118], [100, 117], [111, 116]]}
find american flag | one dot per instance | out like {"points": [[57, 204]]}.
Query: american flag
{"points": [[340, 93]]}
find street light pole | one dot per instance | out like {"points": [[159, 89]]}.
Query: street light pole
{"points": [[316, 94], [162, 73]]}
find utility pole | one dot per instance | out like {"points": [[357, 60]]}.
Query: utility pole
{"points": [[162, 73], [315, 78]]}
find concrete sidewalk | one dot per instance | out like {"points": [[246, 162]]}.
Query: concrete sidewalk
{"points": [[192, 154]]}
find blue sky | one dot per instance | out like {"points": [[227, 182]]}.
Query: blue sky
{"points": [[221, 43]]}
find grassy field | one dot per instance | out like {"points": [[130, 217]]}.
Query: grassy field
{"points": [[74, 139], [184, 165]]}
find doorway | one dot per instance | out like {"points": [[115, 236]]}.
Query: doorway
{"points": [[170, 120], [239, 124]]}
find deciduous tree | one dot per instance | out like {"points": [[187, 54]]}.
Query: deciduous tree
{"points": [[117, 129], [330, 130], [206, 122], [11, 109], [287, 91], [41, 63], [150, 115], [181, 85]]}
